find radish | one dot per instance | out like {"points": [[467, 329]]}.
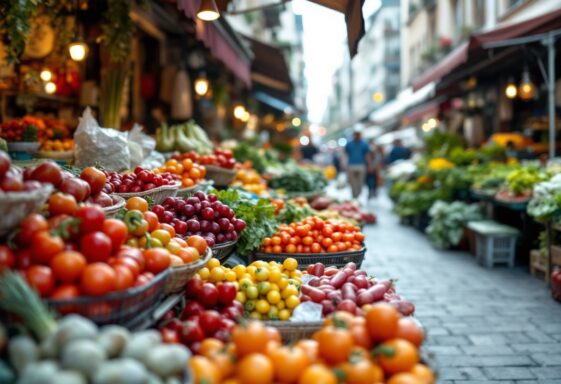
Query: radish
{"points": [[371, 295]]}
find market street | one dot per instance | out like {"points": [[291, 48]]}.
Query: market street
{"points": [[484, 325]]}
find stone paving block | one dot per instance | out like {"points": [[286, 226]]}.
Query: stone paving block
{"points": [[436, 331], [540, 336], [483, 382], [442, 350], [481, 350], [547, 359], [461, 373], [490, 339], [505, 373], [550, 327], [450, 340], [484, 361], [541, 347], [546, 372], [537, 382]]}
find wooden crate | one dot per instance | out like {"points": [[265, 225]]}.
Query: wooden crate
{"points": [[538, 265]]}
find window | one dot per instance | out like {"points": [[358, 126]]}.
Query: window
{"points": [[514, 3], [479, 13], [458, 17]]}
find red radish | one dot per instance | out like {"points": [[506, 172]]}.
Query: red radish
{"points": [[360, 282], [316, 294], [327, 307], [314, 282], [351, 265], [348, 292], [371, 295], [338, 279], [330, 271], [318, 269], [335, 296], [347, 305]]}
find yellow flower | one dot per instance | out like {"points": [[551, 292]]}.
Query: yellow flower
{"points": [[440, 163]]}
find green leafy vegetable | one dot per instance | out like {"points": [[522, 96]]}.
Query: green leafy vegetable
{"points": [[448, 222]]}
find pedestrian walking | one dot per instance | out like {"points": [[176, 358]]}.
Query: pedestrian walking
{"points": [[358, 161], [373, 172], [398, 152]]}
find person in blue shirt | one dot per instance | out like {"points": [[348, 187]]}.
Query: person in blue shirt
{"points": [[398, 152], [357, 151]]}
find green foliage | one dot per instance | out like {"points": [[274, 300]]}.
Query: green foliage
{"points": [[14, 24], [412, 203], [448, 221], [492, 152], [523, 179], [442, 143], [259, 216], [461, 156], [292, 213], [300, 179], [117, 30]]}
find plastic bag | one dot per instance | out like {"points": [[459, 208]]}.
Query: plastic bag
{"points": [[147, 143], [96, 145]]}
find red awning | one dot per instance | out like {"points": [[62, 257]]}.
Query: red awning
{"points": [[216, 39], [454, 59], [459, 56], [429, 109]]}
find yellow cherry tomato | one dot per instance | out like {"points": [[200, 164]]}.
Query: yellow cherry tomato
{"points": [[133, 242], [262, 306], [252, 292], [174, 247], [250, 305], [281, 305], [284, 314], [273, 313], [292, 302], [273, 297], [162, 235], [230, 275], [239, 270], [213, 263], [261, 274], [274, 287], [264, 287], [240, 296], [251, 270], [217, 274], [275, 275], [204, 273], [255, 315], [259, 264], [290, 264], [296, 274], [245, 283], [283, 283], [291, 290]]}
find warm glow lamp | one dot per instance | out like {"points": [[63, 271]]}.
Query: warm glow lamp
{"points": [[511, 91], [208, 11], [201, 85], [239, 111], [50, 87], [46, 75], [78, 50], [527, 89], [296, 121]]}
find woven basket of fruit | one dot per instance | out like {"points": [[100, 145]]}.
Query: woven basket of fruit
{"points": [[112, 210], [337, 259], [127, 308], [292, 331], [17, 205], [222, 177], [157, 195], [224, 250], [180, 275]]}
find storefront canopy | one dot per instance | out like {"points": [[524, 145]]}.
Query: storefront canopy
{"points": [[473, 48], [222, 41]]}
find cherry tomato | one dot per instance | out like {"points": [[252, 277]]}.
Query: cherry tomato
{"points": [[157, 260], [44, 247], [117, 231], [65, 292], [7, 258], [124, 278], [29, 226], [135, 254], [62, 204], [210, 321], [91, 218], [98, 279], [96, 246], [68, 266], [41, 278], [152, 220], [75, 187], [95, 178], [47, 172]]}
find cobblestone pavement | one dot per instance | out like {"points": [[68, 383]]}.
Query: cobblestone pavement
{"points": [[484, 325]]}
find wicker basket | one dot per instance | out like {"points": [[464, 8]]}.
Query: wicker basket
{"points": [[337, 259], [157, 194], [179, 276], [202, 186], [127, 308], [223, 250], [112, 210], [222, 177], [16, 205], [295, 330]]}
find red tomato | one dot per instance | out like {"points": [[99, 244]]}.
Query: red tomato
{"points": [[62, 204], [157, 260], [124, 278], [44, 247], [96, 246], [134, 253], [48, 172], [193, 287], [68, 266], [75, 187], [210, 321], [91, 218], [41, 278], [64, 292], [23, 258], [169, 336], [127, 262], [208, 295], [152, 220], [5, 163], [29, 226], [98, 279], [7, 258], [95, 178], [117, 232], [226, 293]]}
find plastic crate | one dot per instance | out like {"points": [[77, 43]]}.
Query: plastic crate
{"points": [[337, 259], [494, 243]]}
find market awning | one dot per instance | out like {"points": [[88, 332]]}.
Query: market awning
{"points": [[353, 17], [451, 61], [221, 40], [473, 47]]}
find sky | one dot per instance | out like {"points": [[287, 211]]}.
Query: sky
{"points": [[325, 43]]}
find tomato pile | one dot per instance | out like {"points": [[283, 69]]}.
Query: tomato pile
{"points": [[33, 128], [250, 180], [139, 180], [58, 145], [200, 215], [11, 179], [379, 347], [146, 231], [267, 291], [190, 173], [221, 158], [210, 311], [348, 289], [80, 254], [314, 235]]}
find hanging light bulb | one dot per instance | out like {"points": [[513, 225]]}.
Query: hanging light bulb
{"points": [[527, 89], [208, 11], [239, 111], [201, 85], [78, 50], [50, 87], [46, 75], [511, 91]]}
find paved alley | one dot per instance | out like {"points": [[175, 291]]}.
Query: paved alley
{"points": [[484, 326]]}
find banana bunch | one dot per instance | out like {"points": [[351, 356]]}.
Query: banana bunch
{"points": [[184, 137]]}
